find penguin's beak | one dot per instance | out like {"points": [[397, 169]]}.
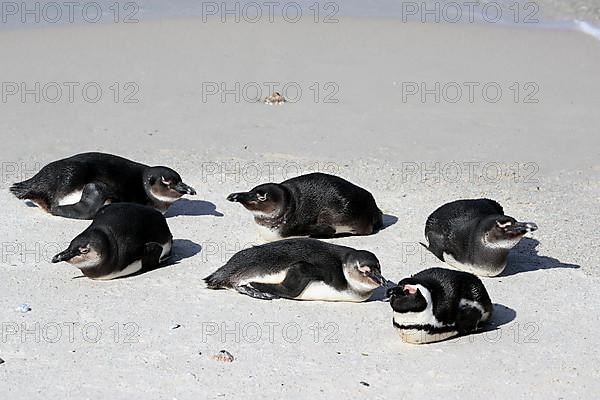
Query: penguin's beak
{"points": [[65, 255], [182, 188], [521, 228], [377, 277], [242, 197]]}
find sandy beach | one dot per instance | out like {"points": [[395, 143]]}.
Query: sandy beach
{"points": [[419, 114]]}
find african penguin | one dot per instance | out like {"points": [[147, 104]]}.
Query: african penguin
{"points": [[300, 269], [124, 238], [78, 186], [474, 235], [315, 205], [437, 304]]}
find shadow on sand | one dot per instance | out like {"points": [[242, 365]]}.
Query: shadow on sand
{"points": [[192, 207], [501, 315], [182, 249], [524, 258]]}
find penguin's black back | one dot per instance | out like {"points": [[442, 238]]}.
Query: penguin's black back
{"points": [[460, 212], [448, 288], [274, 257], [449, 228], [123, 177], [318, 191], [130, 226]]}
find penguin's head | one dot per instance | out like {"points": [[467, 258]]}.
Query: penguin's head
{"points": [[85, 251], [504, 232], [266, 200], [362, 271], [162, 184], [409, 296]]}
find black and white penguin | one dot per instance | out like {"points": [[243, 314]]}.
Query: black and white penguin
{"points": [[315, 205], [123, 239], [300, 269], [78, 186], [474, 235], [437, 304]]}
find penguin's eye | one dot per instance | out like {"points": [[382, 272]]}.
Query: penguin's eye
{"points": [[503, 225], [261, 196], [84, 250]]}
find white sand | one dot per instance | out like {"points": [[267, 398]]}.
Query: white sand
{"points": [[545, 345]]}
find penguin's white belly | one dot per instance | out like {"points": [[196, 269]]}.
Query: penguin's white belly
{"points": [[268, 234], [417, 318], [474, 269], [128, 270], [272, 279], [135, 266], [321, 291], [417, 336], [72, 198], [420, 336], [344, 229]]}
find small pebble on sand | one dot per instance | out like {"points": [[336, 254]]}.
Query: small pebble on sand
{"points": [[223, 356], [275, 99], [24, 308]]}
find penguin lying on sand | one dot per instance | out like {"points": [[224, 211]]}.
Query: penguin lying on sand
{"points": [[315, 205], [301, 269], [474, 235], [123, 239], [437, 304], [78, 186]]}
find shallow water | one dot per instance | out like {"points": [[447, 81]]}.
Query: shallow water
{"points": [[581, 15]]}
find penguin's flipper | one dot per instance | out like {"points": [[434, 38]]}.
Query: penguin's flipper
{"points": [[151, 256], [435, 245], [93, 197], [467, 319], [251, 291], [320, 231], [298, 276]]}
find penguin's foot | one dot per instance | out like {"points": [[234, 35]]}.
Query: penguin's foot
{"points": [[249, 290]]}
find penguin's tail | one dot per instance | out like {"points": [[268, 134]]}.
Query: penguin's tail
{"points": [[22, 189], [216, 281]]}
